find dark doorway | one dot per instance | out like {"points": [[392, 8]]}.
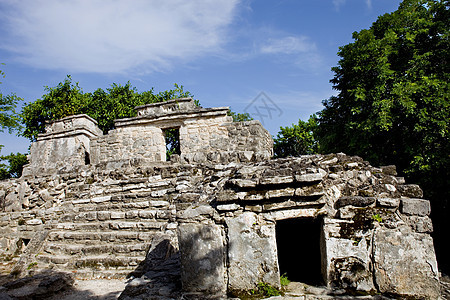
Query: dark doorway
{"points": [[299, 256], [172, 138]]}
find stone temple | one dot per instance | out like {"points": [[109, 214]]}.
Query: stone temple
{"points": [[215, 219]]}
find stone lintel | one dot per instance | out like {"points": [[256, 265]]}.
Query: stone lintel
{"points": [[172, 117], [169, 105], [79, 130]]}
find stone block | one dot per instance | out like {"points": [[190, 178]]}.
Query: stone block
{"points": [[34, 222], [420, 224], [389, 170], [308, 178], [117, 215], [346, 262], [252, 253], [228, 207], [357, 201], [410, 191], [293, 213], [405, 264], [103, 215], [388, 202], [202, 258], [418, 207]]}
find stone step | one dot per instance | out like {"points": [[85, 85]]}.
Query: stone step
{"points": [[135, 214], [118, 195], [80, 249], [93, 238], [98, 262], [128, 225], [83, 274]]}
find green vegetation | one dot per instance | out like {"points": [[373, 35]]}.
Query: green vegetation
{"points": [[14, 167], [393, 103], [297, 140], [284, 281], [239, 117], [9, 120], [32, 265], [377, 218], [8, 116], [265, 290]]}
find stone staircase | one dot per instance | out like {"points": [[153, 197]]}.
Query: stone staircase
{"points": [[107, 229]]}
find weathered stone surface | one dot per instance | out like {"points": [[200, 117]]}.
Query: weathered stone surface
{"points": [[389, 170], [347, 262], [419, 207], [40, 286], [410, 191], [202, 250], [228, 207], [388, 202], [252, 253], [355, 201], [307, 178], [420, 224], [405, 263]]}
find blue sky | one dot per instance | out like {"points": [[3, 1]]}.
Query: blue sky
{"points": [[272, 59]]}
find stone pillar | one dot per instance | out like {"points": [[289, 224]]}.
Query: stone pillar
{"points": [[405, 263], [202, 248], [252, 252]]}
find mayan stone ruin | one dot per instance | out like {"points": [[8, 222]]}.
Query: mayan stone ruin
{"points": [[215, 219]]}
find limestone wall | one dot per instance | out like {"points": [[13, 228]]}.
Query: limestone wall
{"points": [[127, 143]]}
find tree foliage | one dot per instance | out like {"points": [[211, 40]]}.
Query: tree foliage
{"points": [[393, 101], [14, 167], [67, 98], [8, 116], [297, 140], [239, 117]]}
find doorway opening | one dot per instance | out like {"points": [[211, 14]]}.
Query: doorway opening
{"points": [[298, 245], [172, 138]]}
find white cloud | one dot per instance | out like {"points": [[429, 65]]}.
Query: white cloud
{"points": [[297, 50], [338, 3], [113, 36], [288, 45]]}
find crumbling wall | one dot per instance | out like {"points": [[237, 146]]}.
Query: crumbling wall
{"points": [[375, 229], [205, 135], [66, 143]]}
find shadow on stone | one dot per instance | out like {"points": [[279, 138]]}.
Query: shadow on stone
{"points": [[158, 276], [40, 286]]}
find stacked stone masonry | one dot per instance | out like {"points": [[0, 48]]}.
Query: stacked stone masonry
{"points": [[216, 209]]}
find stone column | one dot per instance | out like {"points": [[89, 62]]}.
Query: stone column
{"points": [[202, 248]]}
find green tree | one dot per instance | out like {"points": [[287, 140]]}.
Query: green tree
{"points": [[297, 140], [61, 101], [392, 105], [239, 117], [8, 116], [9, 120], [393, 82], [14, 167]]}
